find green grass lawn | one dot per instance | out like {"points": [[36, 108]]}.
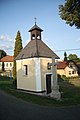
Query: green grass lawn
{"points": [[4, 78], [70, 94]]}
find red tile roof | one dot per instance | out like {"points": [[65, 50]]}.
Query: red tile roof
{"points": [[7, 59], [62, 65]]}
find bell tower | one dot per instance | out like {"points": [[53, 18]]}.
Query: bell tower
{"points": [[35, 32]]}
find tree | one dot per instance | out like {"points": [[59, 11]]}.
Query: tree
{"points": [[70, 12], [2, 53], [17, 49], [3, 66], [65, 56], [74, 57]]}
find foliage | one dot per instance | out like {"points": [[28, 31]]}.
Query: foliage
{"points": [[73, 57], [17, 49], [14, 73], [4, 78], [65, 56], [18, 44], [2, 66], [2, 54], [64, 77], [70, 12]]}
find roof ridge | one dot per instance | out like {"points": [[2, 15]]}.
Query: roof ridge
{"points": [[35, 27]]}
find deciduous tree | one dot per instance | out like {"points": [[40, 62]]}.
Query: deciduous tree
{"points": [[70, 12], [74, 57], [2, 53]]}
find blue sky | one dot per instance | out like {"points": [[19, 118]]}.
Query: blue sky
{"points": [[19, 15]]}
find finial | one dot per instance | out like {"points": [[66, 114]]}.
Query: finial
{"points": [[35, 20]]}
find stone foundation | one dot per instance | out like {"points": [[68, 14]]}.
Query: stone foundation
{"points": [[55, 93]]}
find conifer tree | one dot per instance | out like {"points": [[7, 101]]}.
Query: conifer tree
{"points": [[65, 56], [17, 49]]}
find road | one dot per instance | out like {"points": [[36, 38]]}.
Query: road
{"points": [[12, 108]]}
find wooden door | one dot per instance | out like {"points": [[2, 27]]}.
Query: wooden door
{"points": [[48, 83]]}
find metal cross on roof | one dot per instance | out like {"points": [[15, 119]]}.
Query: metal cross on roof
{"points": [[35, 20]]}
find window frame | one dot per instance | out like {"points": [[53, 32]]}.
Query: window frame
{"points": [[69, 72], [25, 70], [10, 64], [6, 64]]}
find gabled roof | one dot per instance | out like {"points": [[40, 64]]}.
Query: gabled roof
{"points": [[35, 27], [7, 59], [36, 48], [62, 65]]}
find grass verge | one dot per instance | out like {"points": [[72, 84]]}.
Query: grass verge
{"points": [[70, 94]]}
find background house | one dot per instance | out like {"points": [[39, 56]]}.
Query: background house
{"points": [[67, 68], [78, 66], [33, 72], [8, 64]]}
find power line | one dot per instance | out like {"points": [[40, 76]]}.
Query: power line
{"points": [[67, 50], [56, 50]]}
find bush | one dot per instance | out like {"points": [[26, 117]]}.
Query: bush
{"points": [[15, 82], [64, 77], [59, 77]]}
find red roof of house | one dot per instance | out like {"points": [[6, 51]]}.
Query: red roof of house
{"points": [[7, 59], [62, 65]]}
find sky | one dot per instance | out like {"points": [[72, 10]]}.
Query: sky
{"points": [[19, 15]]}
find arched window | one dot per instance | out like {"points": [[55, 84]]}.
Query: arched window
{"points": [[33, 36], [10, 64], [38, 37], [6, 64]]}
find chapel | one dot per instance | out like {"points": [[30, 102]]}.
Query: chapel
{"points": [[36, 65]]}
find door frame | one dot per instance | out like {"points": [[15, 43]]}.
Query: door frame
{"points": [[51, 81]]}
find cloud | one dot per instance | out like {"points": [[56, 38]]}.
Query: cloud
{"points": [[5, 38], [6, 47]]}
